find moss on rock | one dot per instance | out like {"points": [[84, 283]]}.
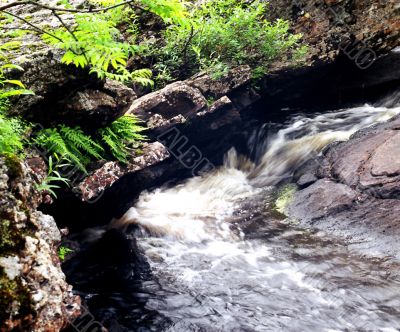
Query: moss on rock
{"points": [[283, 197], [14, 301]]}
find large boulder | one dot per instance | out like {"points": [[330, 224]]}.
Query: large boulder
{"points": [[358, 195], [369, 162], [176, 101]]}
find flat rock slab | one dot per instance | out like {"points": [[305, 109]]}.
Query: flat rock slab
{"points": [[370, 161], [386, 159]]}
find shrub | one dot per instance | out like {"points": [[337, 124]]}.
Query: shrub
{"points": [[223, 34], [96, 41]]}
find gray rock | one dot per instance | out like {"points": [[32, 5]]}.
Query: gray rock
{"points": [[369, 161], [28, 258], [175, 100], [322, 199], [306, 179], [364, 206]]}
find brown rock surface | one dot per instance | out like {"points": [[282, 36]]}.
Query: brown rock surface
{"points": [[359, 196], [370, 161], [323, 198], [216, 88], [34, 295], [91, 188]]}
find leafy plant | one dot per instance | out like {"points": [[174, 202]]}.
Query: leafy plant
{"points": [[11, 129], [71, 144], [9, 87], [11, 135], [63, 251], [121, 134], [96, 41], [227, 33], [78, 148], [52, 176]]}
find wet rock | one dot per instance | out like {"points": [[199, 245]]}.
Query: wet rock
{"points": [[358, 197], [34, 294], [216, 88], [175, 100], [321, 199], [306, 180], [369, 161], [94, 185]]}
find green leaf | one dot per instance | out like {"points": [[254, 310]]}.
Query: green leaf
{"points": [[15, 82]]}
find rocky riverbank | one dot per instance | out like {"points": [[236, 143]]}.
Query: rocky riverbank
{"points": [[358, 180], [354, 191]]}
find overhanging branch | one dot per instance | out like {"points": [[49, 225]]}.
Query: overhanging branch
{"points": [[70, 10]]}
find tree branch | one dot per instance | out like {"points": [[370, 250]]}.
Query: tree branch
{"points": [[70, 10], [66, 27], [36, 28]]}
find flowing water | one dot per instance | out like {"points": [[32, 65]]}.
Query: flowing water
{"points": [[226, 260]]}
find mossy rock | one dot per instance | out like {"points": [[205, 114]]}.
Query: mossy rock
{"points": [[14, 300], [11, 238], [14, 165], [283, 198]]}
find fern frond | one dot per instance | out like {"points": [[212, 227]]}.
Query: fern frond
{"points": [[54, 143], [84, 144], [113, 142], [122, 133]]}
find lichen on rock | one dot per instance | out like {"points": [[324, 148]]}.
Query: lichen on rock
{"points": [[33, 292]]}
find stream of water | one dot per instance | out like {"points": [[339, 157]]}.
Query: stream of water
{"points": [[225, 260]]}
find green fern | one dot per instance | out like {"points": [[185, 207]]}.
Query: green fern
{"points": [[51, 140], [95, 43], [12, 131], [121, 134], [79, 149], [76, 138], [116, 147], [53, 176]]}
